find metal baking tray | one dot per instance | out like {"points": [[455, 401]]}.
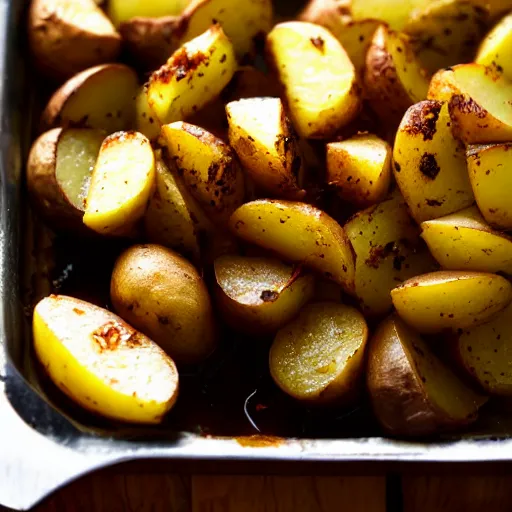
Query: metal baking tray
{"points": [[45, 442]]}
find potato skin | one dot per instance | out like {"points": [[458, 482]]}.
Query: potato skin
{"points": [[160, 293]]}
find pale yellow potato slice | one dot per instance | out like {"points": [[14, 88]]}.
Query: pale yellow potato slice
{"points": [[102, 363], [319, 357], [451, 299], [394, 13], [121, 184], [124, 10], [464, 241]]}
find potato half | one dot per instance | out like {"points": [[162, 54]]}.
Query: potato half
{"points": [[59, 170], [101, 97], [430, 164], [319, 357], [298, 232], [121, 184], [451, 299], [265, 142], [68, 36], [464, 241], [325, 98], [413, 393], [258, 295], [162, 294], [102, 363], [120, 11]]}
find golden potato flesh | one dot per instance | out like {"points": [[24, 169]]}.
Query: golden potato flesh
{"points": [[124, 10], [412, 392], [300, 233], [146, 120], [121, 184], [489, 172], [359, 169], [464, 241], [265, 142], [430, 165], [319, 80], [442, 86], [209, 167], [192, 77], [451, 300], [258, 295], [68, 36], [162, 294], [101, 97], [319, 356], [388, 251], [102, 363]]}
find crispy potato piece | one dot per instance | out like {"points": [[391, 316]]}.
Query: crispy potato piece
{"points": [[451, 299], [259, 295], [393, 79], [59, 170], [446, 32], [209, 167], [442, 86], [485, 353], [359, 169], [163, 295], [265, 142], [101, 97], [464, 241], [388, 251], [67, 36], [489, 173], [147, 121], [102, 363], [412, 392], [121, 184], [394, 13], [244, 25], [328, 96], [430, 165], [319, 357], [192, 77], [121, 11], [298, 232]]}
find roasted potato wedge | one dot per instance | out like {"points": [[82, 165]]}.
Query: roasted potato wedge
{"points": [[193, 76], [430, 165], [485, 353], [489, 173], [59, 170], [121, 11], [259, 295], [209, 168], [328, 96], [359, 169], [393, 79], [319, 357], [388, 251], [464, 241], [413, 393], [146, 121], [68, 36], [101, 97], [265, 142], [121, 184], [300, 233], [102, 363], [451, 300], [162, 294]]}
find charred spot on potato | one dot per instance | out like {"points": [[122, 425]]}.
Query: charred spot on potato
{"points": [[422, 119], [466, 105], [114, 334], [429, 166], [318, 43], [269, 296]]}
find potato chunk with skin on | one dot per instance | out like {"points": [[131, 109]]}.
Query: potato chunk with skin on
{"points": [[121, 184], [359, 169], [412, 392], [451, 299], [464, 241], [192, 77], [299, 233], [319, 356], [265, 142], [258, 295], [102, 363], [430, 165], [321, 88]]}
